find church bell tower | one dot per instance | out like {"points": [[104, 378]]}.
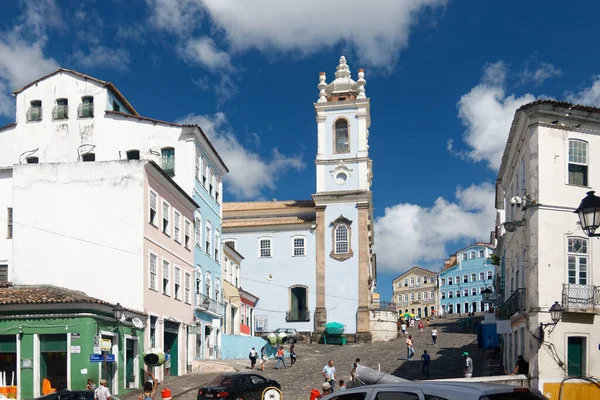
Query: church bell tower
{"points": [[345, 260]]}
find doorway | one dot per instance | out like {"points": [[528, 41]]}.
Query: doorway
{"points": [[171, 341], [131, 362], [298, 304], [8, 359], [53, 361], [426, 312], [458, 308], [109, 369]]}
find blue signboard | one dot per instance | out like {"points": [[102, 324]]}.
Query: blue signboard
{"points": [[101, 357]]}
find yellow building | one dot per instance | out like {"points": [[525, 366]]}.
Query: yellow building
{"points": [[414, 292]]}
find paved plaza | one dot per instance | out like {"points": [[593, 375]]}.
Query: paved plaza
{"points": [[446, 361]]}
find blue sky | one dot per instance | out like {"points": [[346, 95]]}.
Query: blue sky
{"points": [[444, 78]]}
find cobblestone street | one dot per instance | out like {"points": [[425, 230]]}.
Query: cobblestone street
{"points": [[446, 360]]}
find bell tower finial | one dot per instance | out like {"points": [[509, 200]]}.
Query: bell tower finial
{"points": [[342, 70]]}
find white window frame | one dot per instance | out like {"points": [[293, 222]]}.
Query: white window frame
{"points": [[187, 288], [226, 269], [450, 280], [198, 231], [176, 226], [443, 281], [406, 298], [166, 229], [217, 247], [270, 247], [165, 290], [152, 256], [481, 253], [187, 233], [412, 296], [341, 242], [490, 274], [198, 280], [204, 180], [217, 290], [419, 281], [156, 214], [176, 282], [473, 277], [198, 164], [472, 255], [465, 293], [303, 247], [425, 295], [208, 240], [586, 163], [237, 276], [465, 278], [464, 256], [482, 276], [579, 257], [208, 285]]}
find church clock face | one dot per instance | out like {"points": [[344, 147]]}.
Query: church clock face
{"points": [[341, 178]]}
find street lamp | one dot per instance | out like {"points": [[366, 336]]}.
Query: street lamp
{"points": [[556, 312], [486, 294], [118, 311], [589, 214], [206, 303]]}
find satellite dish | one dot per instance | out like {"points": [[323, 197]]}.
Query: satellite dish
{"points": [[138, 323], [510, 226]]}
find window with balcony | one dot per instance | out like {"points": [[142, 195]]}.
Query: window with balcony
{"points": [[198, 231], [61, 109], [577, 250], [578, 162], [217, 290], [419, 295], [86, 108], [424, 295], [168, 160], [406, 298], [208, 284], [432, 295], [198, 279], [35, 111]]}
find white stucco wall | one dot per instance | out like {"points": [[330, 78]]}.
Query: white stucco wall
{"points": [[341, 277], [6, 201], [81, 227], [384, 325]]}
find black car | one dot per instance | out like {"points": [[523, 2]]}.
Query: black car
{"points": [[69, 395], [240, 387]]}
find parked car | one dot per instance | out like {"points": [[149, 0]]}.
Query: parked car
{"points": [[282, 335], [69, 395], [436, 391], [240, 386]]}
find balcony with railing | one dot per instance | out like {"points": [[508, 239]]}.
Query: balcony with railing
{"points": [[205, 303], [515, 303], [297, 316], [85, 110], [581, 298], [34, 114]]}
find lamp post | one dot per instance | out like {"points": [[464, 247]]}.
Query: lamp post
{"points": [[589, 214], [118, 311]]}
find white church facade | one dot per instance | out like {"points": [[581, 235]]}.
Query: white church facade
{"points": [[311, 261]]}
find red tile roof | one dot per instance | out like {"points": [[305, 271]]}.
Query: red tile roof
{"points": [[267, 205], [44, 295]]}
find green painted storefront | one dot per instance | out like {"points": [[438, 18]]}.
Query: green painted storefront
{"points": [[55, 341]]}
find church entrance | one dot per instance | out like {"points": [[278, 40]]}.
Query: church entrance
{"points": [[298, 304]]}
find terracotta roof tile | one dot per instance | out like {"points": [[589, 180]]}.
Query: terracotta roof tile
{"points": [[267, 205], [44, 295], [251, 222], [561, 104]]}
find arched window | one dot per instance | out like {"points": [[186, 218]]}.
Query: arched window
{"points": [[341, 239], [577, 251], [341, 136]]}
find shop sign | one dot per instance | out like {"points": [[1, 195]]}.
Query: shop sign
{"points": [[75, 349], [105, 344], [75, 336]]}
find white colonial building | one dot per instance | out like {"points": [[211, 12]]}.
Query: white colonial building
{"points": [[547, 168], [311, 261]]}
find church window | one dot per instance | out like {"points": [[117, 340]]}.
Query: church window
{"points": [[264, 247], [341, 136], [299, 246], [341, 239]]}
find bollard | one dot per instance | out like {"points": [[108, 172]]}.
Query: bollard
{"points": [[165, 394]]}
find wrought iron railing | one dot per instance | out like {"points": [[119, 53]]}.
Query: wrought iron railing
{"points": [[383, 306], [60, 111], [205, 303], [168, 165], [34, 114], [515, 303], [297, 316], [85, 110], [585, 298]]}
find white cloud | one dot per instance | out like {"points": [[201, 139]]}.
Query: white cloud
{"points": [[22, 58], [204, 52], [589, 96], [249, 173], [102, 56], [377, 29], [539, 74], [409, 234], [487, 113]]}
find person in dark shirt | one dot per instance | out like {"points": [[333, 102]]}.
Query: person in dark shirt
{"points": [[522, 367], [426, 359]]}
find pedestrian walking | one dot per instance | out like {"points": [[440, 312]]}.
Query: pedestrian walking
{"points": [[421, 328], [468, 365], [168, 362], [426, 360], [427, 322], [102, 392], [329, 374], [280, 357], [410, 351], [263, 357], [293, 354], [522, 367], [434, 337], [403, 327], [253, 356]]}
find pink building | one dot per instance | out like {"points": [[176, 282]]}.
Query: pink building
{"points": [[168, 244]]}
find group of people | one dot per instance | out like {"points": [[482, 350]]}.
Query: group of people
{"points": [[330, 374], [410, 323], [279, 355], [410, 349]]}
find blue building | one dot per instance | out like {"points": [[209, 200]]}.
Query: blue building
{"points": [[311, 261], [209, 306], [469, 272]]}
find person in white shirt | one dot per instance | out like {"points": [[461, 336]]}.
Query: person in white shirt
{"points": [[102, 393]]}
